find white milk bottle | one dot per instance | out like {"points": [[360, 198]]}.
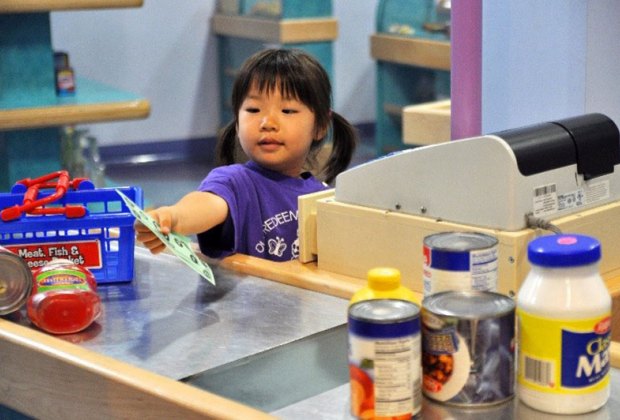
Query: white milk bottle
{"points": [[564, 327]]}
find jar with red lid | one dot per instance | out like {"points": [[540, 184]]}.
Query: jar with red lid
{"points": [[64, 298]]}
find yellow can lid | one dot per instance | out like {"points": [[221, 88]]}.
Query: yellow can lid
{"points": [[383, 278]]}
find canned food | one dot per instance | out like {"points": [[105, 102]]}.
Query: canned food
{"points": [[15, 281], [459, 261], [384, 359], [468, 345]]}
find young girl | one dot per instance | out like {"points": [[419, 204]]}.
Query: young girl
{"points": [[281, 101]]}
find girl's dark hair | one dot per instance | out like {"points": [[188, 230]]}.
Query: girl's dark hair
{"points": [[296, 74]]}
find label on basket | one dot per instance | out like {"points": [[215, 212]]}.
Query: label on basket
{"points": [[84, 253]]}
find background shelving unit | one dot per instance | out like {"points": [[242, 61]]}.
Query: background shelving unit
{"points": [[412, 49], [30, 111], [245, 27]]}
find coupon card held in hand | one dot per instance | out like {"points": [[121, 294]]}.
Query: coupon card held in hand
{"points": [[178, 244]]}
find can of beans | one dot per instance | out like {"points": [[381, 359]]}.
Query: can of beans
{"points": [[15, 281], [468, 347], [385, 359], [459, 261]]}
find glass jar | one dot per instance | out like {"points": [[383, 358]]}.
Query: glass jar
{"points": [[64, 298]]}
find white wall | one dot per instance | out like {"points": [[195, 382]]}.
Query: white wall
{"points": [[164, 51], [549, 60], [603, 58]]}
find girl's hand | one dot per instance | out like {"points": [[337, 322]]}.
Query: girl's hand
{"points": [[163, 216], [196, 212]]}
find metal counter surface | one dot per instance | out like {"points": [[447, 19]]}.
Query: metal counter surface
{"points": [[170, 321], [334, 405]]}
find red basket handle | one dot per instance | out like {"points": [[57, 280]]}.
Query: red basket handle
{"points": [[33, 206], [63, 177]]}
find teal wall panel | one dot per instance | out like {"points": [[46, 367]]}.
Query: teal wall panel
{"points": [[26, 80], [26, 60], [399, 85]]}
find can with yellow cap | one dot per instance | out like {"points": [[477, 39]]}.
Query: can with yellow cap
{"points": [[384, 283]]}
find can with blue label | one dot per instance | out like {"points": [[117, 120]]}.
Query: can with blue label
{"points": [[459, 261], [385, 359]]}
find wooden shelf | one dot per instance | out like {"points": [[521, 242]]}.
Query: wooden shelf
{"points": [[27, 6], [281, 31], [427, 123], [93, 102], [411, 51]]}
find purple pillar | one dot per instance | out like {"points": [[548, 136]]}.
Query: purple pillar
{"points": [[466, 68]]}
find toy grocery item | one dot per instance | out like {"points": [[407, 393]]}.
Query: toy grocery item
{"points": [[459, 261], [65, 77], [64, 298], [564, 313], [384, 283], [15, 281], [384, 359], [468, 347]]}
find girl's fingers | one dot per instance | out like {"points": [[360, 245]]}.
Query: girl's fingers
{"points": [[158, 249], [165, 222], [145, 236]]}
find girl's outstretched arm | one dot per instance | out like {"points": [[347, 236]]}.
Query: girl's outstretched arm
{"points": [[196, 212]]}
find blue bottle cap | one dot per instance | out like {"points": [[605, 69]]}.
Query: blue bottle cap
{"points": [[566, 250]]}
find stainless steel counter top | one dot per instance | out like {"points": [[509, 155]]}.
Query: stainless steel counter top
{"points": [[170, 321]]}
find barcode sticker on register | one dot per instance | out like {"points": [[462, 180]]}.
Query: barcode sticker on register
{"points": [[545, 200]]}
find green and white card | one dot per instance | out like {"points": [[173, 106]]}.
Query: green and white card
{"points": [[178, 244]]}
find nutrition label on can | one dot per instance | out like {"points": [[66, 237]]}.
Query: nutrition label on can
{"points": [[484, 270], [394, 376], [396, 372]]}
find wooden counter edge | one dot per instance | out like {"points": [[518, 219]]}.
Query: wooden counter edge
{"points": [[614, 354], [306, 276], [44, 376]]}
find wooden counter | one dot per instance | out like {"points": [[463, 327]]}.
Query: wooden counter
{"points": [[46, 377]]}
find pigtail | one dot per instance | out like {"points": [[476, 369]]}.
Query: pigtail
{"points": [[226, 145], [344, 141]]}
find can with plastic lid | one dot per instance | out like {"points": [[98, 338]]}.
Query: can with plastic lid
{"points": [[564, 318], [15, 281]]}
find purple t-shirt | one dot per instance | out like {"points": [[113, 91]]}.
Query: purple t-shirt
{"points": [[262, 212]]}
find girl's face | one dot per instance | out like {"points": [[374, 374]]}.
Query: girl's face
{"points": [[275, 131]]}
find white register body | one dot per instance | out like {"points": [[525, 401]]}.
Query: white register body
{"points": [[548, 170], [514, 185]]}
